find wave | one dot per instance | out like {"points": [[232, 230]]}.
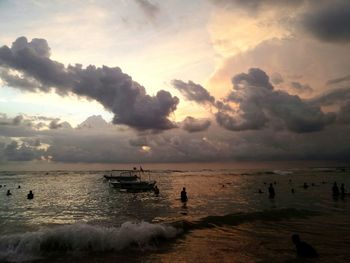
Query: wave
{"points": [[82, 238], [240, 218], [282, 172]]}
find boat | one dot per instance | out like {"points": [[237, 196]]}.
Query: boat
{"points": [[123, 175], [134, 186], [130, 180]]}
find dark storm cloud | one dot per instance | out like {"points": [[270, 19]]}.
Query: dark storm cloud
{"points": [[193, 92], [138, 142], [253, 6], [191, 124], [301, 88], [54, 124], [17, 120], [17, 81], [15, 152], [4, 120], [344, 113], [276, 78], [115, 90], [258, 103], [338, 80], [329, 22], [331, 97], [149, 9]]}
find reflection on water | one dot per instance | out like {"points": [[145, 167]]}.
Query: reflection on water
{"points": [[63, 198]]}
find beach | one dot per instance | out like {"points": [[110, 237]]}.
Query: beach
{"points": [[77, 215]]}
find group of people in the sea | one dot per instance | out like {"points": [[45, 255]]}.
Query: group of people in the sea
{"points": [[304, 249], [335, 190], [30, 195], [183, 194]]}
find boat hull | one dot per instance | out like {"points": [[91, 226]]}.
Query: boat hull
{"points": [[140, 186]]}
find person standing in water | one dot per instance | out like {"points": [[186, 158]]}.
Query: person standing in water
{"points": [[335, 189], [184, 195], [303, 249], [271, 192], [156, 190], [30, 195], [8, 193]]}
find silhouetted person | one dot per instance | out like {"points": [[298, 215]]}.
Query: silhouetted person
{"points": [[293, 191], [30, 195], [303, 249], [335, 189], [156, 190], [342, 189], [259, 191], [8, 192], [271, 192], [184, 195], [305, 186]]}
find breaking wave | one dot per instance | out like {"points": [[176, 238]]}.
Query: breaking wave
{"points": [[82, 238]]}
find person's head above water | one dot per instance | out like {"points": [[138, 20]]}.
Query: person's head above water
{"points": [[296, 239]]}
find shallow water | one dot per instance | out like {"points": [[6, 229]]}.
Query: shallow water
{"points": [[77, 215]]}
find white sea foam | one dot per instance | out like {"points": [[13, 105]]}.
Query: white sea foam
{"points": [[282, 172], [81, 238]]}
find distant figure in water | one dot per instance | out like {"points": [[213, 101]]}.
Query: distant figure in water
{"points": [[271, 192], [184, 195], [30, 195], [342, 189], [8, 192], [305, 186], [156, 190], [293, 191], [259, 191], [335, 189], [303, 249], [19, 187]]}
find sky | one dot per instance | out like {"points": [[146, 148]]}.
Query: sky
{"points": [[151, 81]]}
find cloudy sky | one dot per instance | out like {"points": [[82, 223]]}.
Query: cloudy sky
{"points": [[159, 81]]}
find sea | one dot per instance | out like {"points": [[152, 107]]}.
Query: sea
{"points": [[77, 216]]}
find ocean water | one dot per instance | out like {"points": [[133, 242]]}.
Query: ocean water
{"points": [[77, 215]]}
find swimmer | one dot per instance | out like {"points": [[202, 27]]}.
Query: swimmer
{"points": [[335, 189], [184, 195], [156, 190], [303, 249], [30, 195], [271, 192]]}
